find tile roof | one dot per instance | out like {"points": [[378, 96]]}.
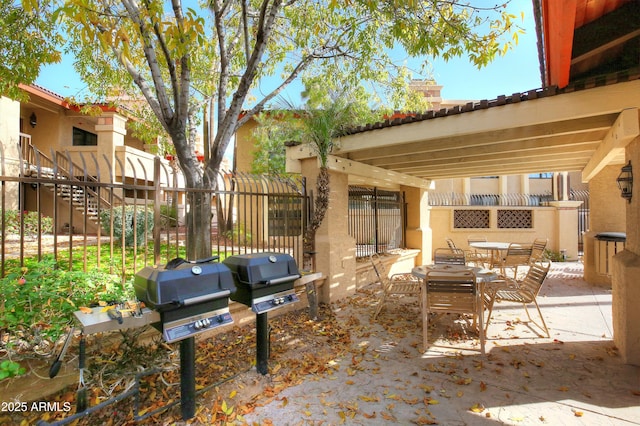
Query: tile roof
{"points": [[501, 100]]}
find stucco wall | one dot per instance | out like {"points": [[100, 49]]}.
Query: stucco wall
{"points": [[545, 221], [245, 146], [9, 131], [607, 207]]}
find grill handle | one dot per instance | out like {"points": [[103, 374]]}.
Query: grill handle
{"points": [[282, 279], [205, 298], [174, 263]]}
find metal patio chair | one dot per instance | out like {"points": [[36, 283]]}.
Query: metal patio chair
{"points": [[403, 284], [480, 258], [517, 255], [447, 256], [452, 292], [537, 252], [524, 291]]}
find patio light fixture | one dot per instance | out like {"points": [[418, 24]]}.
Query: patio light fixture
{"points": [[625, 181], [33, 120]]}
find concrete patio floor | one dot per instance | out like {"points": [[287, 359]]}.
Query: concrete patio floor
{"points": [[575, 377]]}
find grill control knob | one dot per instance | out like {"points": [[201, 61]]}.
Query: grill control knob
{"points": [[220, 318], [206, 322], [197, 325]]}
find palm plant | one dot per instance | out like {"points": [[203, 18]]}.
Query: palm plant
{"points": [[319, 123]]}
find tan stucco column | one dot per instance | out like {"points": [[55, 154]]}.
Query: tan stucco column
{"points": [[607, 213], [335, 248], [625, 276], [419, 235], [567, 223], [111, 131]]}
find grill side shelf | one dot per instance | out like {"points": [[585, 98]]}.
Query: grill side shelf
{"points": [[99, 322]]}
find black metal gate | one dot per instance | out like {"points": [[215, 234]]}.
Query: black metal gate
{"points": [[583, 215], [376, 220]]}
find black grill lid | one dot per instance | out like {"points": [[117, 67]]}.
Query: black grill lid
{"points": [[263, 268], [188, 284]]}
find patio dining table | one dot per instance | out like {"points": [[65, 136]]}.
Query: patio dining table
{"points": [[482, 274], [448, 298], [495, 247]]}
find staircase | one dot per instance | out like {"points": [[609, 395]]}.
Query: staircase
{"points": [[54, 174]]}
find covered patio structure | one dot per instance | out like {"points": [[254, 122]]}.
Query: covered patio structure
{"points": [[585, 119]]}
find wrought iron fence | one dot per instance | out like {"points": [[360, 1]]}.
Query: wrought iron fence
{"points": [[98, 222], [583, 215], [376, 220]]}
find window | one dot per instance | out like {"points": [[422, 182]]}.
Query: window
{"points": [[541, 176], [84, 138]]}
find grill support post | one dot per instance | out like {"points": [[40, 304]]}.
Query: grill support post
{"points": [[188, 377], [262, 343]]}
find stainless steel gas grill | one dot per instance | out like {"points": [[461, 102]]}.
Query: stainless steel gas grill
{"points": [[191, 297], [264, 282]]}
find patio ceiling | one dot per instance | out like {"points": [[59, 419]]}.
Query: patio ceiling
{"points": [[578, 131]]}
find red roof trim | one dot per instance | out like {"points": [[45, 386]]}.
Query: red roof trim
{"points": [[559, 24]]}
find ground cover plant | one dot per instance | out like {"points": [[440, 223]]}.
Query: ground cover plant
{"points": [[39, 299]]}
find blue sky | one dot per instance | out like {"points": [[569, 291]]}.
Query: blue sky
{"points": [[517, 71]]}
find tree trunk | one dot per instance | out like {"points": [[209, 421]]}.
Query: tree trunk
{"points": [[321, 205], [198, 224], [320, 210]]}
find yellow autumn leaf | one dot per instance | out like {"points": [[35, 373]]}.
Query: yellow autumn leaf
{"points": [[460, 394], [349, 382], [366, 398], [563, 388], [477, 408], [387, 416]]}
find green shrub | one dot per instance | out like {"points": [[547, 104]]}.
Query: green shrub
{"points": [[553, 256], [30, 221], [169, 216], [40, 298], [238, 235], [124, 220]]}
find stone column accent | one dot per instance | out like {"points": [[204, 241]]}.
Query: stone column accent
{"points": [[335, 248], [567, 226], [419, 235], [111, 132]]}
